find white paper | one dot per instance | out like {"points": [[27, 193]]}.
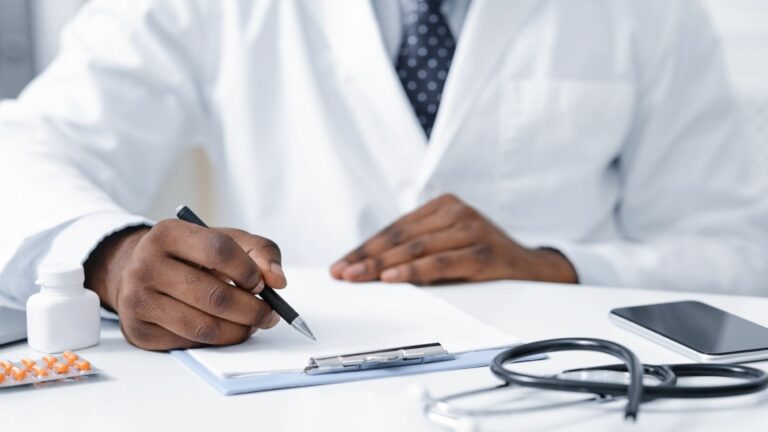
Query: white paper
{"points": [[348, 318]]}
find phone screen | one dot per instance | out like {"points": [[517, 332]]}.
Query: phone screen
{"points": [[699, 326]]}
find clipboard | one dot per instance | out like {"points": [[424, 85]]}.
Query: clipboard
{"points": [[364, 331], [344, 368]]}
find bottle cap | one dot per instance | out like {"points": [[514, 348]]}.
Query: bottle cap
{"points": [[55, 274]]}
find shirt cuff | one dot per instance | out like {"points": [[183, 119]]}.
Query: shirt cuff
{"points": [[76, 241], [591, 266]]}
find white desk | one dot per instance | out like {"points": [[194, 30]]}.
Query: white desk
{"points": [[151, 391]]}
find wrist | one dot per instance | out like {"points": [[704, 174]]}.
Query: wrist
{"points": [[104, 267]]}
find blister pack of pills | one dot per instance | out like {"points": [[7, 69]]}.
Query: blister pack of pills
{"points": [[28, 371]]}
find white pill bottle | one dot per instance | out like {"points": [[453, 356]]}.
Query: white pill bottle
{"points": [[64, 315]]}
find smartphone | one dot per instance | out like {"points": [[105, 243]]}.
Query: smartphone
{"points": [[696, 330]]}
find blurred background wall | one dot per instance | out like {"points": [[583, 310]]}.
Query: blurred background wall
{"points": [[29, 31], [743, 27]]}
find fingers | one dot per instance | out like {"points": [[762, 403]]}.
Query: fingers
{"points": [[444, 240], [153, 337], [273, 320], [427, 244], [211, 295], [206, 247], [150, 336], [175, 286], [437, 214], [392, 236], [462, 264], [192, 324], [265, 253]]}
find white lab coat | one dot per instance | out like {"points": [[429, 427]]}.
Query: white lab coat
{"points": [[604, 128]]}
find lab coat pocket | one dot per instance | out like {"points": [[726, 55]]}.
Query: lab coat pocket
{"points": [[557, 142]]}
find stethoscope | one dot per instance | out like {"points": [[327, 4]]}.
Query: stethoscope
{"points": [[750, 380]]}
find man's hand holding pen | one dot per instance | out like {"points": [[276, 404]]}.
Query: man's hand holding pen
{"points": [[169, 284]]}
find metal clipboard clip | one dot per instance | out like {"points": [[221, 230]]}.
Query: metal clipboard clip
{"points": [[415, 354]]}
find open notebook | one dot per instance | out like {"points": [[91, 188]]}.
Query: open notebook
{"points": [[347, 318]]}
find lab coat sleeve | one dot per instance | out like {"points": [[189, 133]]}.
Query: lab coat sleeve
{"points": [[86, 145], [692, 208]]}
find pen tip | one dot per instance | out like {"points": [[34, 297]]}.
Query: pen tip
{"points": [[301, 326]]}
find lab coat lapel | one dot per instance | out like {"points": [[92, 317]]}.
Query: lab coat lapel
{"points": [[355, 38], [488, 29]]}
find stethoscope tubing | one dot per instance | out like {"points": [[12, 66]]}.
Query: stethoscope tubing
{"points": [[753, 379], [633, 391]]}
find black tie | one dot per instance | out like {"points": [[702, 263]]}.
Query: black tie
{"points": [[424, 59]]}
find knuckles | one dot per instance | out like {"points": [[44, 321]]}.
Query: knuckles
{"points": [[448, 198], [205, 330], [455, 208], [394, 234], [251, 275], [462, 212], [135, 300], [135, 333], [217, 298], [221, 246], [248, 242], [211, 332], [472, 227], [226, 250], [483, 253], [440, 262], [191, 279], [137, 284], [358, 254], [417, 248], [377, 264], [140, 272], [269, 244], [144, 336], [162, 231]]}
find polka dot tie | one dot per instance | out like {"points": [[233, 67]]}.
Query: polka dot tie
{"points": [[424, 59]]}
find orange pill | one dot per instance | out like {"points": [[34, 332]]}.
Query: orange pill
{"points": [[60, 368], [28, 363], [69, 356], [6, 366], [49, 359], [39, 372], [18, 373], [83, 365]]}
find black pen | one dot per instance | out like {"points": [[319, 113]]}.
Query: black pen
{"points": [[268, 294]]}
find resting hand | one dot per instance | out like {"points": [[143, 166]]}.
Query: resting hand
{"points": [[169, 284], [447, 240]]}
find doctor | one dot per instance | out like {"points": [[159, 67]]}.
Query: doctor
{"points": [[592, 141]]}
